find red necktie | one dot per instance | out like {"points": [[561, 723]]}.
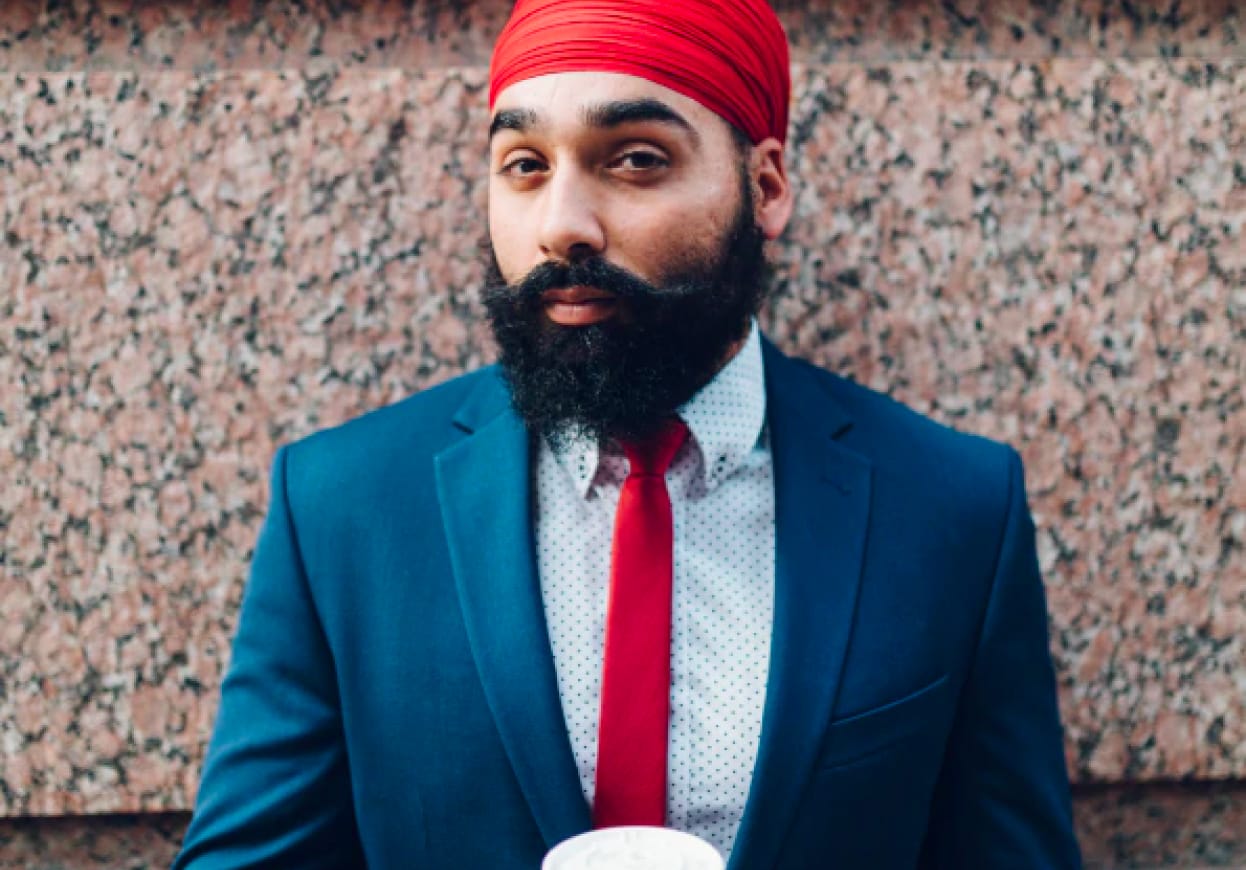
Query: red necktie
{"points": [[636, 670]]}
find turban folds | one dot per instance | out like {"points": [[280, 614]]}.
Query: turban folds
{"points": [[730, 56]]}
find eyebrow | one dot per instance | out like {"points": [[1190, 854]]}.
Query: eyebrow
{"points": [[519, 120], [603, 116], [607, 115]]}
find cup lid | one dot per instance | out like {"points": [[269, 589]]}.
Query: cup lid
{"points": [[633, 848]]}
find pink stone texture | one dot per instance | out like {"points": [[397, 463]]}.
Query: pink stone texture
{"points": [[1163, 825], [36, 35], [147, 842], [1119, 826], [228, 225]]}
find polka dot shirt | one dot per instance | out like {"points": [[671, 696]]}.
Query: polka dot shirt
{"points": [[721, 485]]}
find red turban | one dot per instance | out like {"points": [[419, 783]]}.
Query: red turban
{"points": [[728, 55]]}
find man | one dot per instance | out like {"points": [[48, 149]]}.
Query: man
{"points": [[649, 570]]}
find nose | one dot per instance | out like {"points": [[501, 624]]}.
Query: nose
{"points": [[570, 227]]}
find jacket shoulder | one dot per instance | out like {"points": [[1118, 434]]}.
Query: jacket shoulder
{"points": [[922, 455], [363, 447]]}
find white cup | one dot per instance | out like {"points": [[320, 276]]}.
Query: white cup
{"points": [[634, 848]]}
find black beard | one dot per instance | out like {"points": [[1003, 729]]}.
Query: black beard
{"points": [[624, 377]]}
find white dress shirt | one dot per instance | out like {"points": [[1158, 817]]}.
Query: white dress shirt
{"points": [[721, 485]]}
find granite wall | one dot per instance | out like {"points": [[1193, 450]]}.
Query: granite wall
{"points": [[227, 225]]}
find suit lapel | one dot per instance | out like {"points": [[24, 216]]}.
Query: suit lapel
{"points": [[482, 485], [822, 493]]}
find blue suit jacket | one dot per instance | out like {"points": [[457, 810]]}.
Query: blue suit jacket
{"points": [[391, 700]]}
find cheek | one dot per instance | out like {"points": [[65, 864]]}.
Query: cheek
{"points": [[506, 232], [658, 240]]}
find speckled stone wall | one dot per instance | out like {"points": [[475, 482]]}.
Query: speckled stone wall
{"points": [[1151, 826], [227, 225]]}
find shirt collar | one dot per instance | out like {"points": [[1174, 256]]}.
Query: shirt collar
{"points": [[725, 419]]}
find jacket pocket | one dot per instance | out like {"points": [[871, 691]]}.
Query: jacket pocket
{"points": [[872, 732]]}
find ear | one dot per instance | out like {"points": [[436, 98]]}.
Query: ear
{"points": [[773, 199]]}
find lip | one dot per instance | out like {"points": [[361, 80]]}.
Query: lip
{"points": [[576, 295], [579, 306]]}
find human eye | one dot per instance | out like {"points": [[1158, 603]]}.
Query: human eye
{"points": [[640, 160], [522, 166]]}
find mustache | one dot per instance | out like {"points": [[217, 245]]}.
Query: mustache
{"points": [[595, 272]]}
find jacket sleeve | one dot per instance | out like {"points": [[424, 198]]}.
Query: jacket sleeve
{"points": [[1002, 799], [275, 789]]}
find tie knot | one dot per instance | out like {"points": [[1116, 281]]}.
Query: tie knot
{"points": [[652, 456]]}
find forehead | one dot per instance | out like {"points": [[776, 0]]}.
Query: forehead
{"points": [[568, 99]]}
